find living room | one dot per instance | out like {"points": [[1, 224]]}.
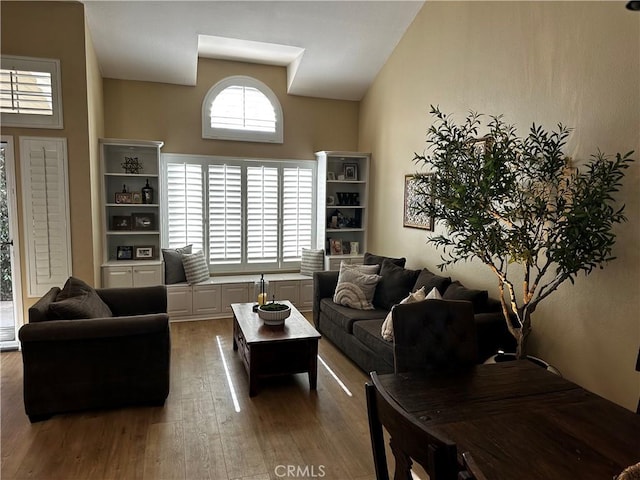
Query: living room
{"points": [[535, 62]]}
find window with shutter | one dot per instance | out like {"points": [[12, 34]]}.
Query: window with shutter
{"points": [[43, 163], [30, 93], [259, 214]]}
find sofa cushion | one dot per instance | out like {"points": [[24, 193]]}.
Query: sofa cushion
{"points": [[173, 268], [457, 291], [312, 261], [77, 300], [39, 311], [345, 317], [387, 326], [368, 332], [195, 267], [355, 289], [395, 284], [428, 280], [371, 259]]}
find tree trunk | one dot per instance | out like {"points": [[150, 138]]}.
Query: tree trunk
{"points": [[525, 315]]}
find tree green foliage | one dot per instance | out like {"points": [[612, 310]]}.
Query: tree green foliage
{"points": [[5, 260], [508, 200]]}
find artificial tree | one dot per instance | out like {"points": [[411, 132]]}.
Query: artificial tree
{"points": [[508, 201]]}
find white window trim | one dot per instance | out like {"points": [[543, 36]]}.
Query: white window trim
{"points": [[241, 135], [243, 266], [48, 65]]}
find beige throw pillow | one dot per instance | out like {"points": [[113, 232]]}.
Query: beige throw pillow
{"points": [[356, 286], [417, 296]]}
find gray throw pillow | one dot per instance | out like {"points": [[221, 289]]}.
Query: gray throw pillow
{"points": [[457, 291], [371, 259], [396, 284], [312, 261], [195, 267], [355, 288], [429, 280], [78, 300], [173, 268]]}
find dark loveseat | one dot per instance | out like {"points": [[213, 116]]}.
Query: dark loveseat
{"points": [[82, 363], [358, 332]]}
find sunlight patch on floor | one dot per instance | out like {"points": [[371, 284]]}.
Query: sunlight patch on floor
{"points": [[232, 389], [331, 372]]}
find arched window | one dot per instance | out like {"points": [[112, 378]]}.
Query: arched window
{"points": [[242, 108]]}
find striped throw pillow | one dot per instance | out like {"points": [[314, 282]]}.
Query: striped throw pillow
{"points": [[312, 261], [195, 267]]}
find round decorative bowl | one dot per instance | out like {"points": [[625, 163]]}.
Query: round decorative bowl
{"points": [[273, 317]]}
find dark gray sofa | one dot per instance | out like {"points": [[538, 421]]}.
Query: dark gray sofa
{"points": [[358, 332], [77, 363]]}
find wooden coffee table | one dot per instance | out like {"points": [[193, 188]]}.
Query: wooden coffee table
{"points": [[269, 351]]}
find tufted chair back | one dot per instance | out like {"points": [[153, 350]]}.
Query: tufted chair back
{"points": [[434, 335]]}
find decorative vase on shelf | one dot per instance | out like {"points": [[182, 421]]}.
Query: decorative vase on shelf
{"points": [[147, 193]]}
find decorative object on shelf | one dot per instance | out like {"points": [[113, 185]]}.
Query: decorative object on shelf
{"points": [[331, 200], [136, 197], [274, 314], [131, 165], [335, 245], [147, 193], [124, 252], [354, 248], [351, 171], [341, 178], [123, 196], [121, 222], [416, 194], [348, 198], [143, 221], [551, 221], [143, 252], [331, 176], [262, 287]]}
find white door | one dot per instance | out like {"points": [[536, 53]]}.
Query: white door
{"points": [[10, 285]]}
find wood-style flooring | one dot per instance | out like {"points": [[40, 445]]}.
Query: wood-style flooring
{"points": [[286, 431]]}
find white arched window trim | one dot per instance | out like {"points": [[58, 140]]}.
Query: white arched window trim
{"points": [[241, 135]]}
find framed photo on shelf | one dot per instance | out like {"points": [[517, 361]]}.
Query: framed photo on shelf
{"points": [[331, 176], [124, 252], [136, 197], [123, 197], [351, 171], [335, 246], [143, 221], [143, 252], [416, 192], [121, 222]]}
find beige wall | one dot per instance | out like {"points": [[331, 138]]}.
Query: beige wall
{"points": [[172, 113], [546, 62], [57, 30]]}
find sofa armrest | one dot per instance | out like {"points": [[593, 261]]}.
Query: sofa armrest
{"points": [[135, 300], [93, 328], [324, 286], [39, 311]]}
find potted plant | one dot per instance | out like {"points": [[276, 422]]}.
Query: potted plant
{"points": [[274, 313], [507, 200]]}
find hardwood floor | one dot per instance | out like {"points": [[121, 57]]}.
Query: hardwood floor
{"points": [[286, 431]]}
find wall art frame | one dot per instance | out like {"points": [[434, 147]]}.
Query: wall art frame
{"points": [[414, 194]]}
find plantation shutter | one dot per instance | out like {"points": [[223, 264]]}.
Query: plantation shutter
{"points": [[45, 199], [225, 214], [185, 205], [297, 212], [262, 214]]}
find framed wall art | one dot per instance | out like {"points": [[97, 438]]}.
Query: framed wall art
{"points": [[351, 171], [143, 252], [143, 221], [414, 195], [121, 222], [124, 252]]}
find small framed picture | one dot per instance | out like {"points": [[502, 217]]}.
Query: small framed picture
{"points": [[143, 221], [124, 252], [331, 176], [351, 171], [336, 246], [123, 197], [121, 222], [136, 197], [143, 252]]}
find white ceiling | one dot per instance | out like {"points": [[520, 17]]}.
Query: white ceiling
{"points": [[332, 49]]}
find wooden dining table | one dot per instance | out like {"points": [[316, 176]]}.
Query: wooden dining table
{"points": [[522, 422]]}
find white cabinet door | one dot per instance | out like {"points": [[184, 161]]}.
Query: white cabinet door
{"points": [[306, 294], [287, 290], [147, 275], [234, 293], [206, 299], [116, 277], [179, 302]]}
